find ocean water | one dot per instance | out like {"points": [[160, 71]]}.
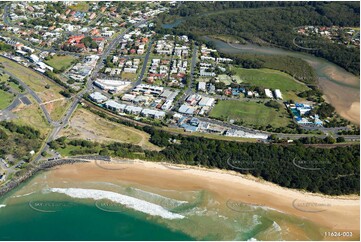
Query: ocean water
{"points": [[48, 209]]}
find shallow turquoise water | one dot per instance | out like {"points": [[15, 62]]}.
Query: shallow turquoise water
{"points": [[35, 211], [79, 221]]}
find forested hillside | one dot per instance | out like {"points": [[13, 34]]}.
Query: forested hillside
{"points": [[273, 23]]}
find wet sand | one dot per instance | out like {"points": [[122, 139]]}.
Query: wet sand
{"points": [[336, 213], [344, 99], [342, 90]]}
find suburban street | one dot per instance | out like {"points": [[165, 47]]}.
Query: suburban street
{"points": [[110, 47]]}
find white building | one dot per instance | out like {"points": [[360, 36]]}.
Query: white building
{"points": [[206, 101], [114, 106], [202, 86], [98, 97], [268, 93], [167, 105], [128, 97], [278, 94], [133, 110]]}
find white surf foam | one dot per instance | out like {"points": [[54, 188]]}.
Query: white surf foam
{"points": [[23, 195], [2, 205], [157, 196], [276, 226], [130, 202]]}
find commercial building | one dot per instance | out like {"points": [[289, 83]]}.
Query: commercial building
{"points": [[206, 102], [202, 86], [187, 109], [98, 97], [114, 106], [133, 110]]}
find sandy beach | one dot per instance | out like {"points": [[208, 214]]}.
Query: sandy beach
{"points": [[337, 213]]}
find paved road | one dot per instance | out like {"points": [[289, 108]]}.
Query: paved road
{"points": [[144, 67], [190, 83], [33, 94], [16, 102], [7, 22], [79, 96], [111, 46], [6, 15], [193, 67]]}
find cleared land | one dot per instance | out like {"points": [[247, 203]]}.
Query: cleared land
{"points": [[5, 99], [43, 87], [272, 79], [228, 38], [80, 6], [130, 76], [87, 125], [57, 108], [60, 62], [32, 115], [251, 113]]}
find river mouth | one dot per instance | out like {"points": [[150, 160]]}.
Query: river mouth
{"points": [[340, 88]]}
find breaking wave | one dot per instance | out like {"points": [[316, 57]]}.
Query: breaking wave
{"points": [[129, 202]]}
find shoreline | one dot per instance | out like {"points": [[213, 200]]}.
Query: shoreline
{"points": [[260, 181], [339, 213], [13, 184]]}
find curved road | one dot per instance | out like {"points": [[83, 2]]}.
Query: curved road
{"points": [[33, 94]]}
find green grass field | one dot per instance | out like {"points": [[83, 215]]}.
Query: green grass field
{"points": [[80, 6], [4, 78], [272, 79], [129, 76], [33, 116], [60, 62], [251, 113], [5, 99]]}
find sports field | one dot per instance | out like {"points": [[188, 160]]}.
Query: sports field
{"points": [[251, 113], [272, 79]]}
